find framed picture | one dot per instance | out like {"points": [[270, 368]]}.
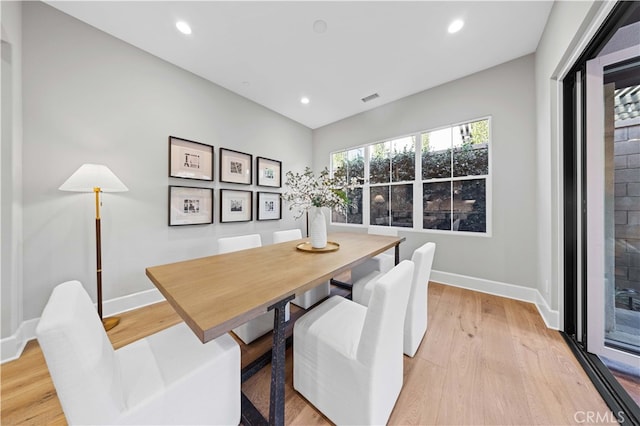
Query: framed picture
{"points": [[269, 206], [236, 206], [269, 172], [190, 206], [190, 160], [235, 167]]}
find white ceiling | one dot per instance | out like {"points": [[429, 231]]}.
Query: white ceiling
{"points": [[268, 51]]}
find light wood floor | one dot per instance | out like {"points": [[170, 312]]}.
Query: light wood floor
{"points": [[484, 360]]}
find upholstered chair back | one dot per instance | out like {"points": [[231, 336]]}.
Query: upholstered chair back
{"points": [[286, 235], [242, 242], [380, 345], [385, 316], [415, 324], [80, 357]]}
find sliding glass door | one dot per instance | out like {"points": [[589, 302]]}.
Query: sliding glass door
{"points": [[601, 226], [612, 183]]}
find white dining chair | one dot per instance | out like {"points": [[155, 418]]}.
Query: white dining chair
{"points": [[309, 297], [415, 323], [261, 325], [347, 358], [170, 377], [241, 242], [286, 235], [382, 262]]}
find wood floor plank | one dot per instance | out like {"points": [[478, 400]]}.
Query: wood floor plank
{"points": [[462, 389], [484, 360], [502, 381], [445, 319], [529, 349], [555, 385], [421, 395]]}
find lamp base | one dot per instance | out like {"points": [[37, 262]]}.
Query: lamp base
{"points": [[111, 322]]}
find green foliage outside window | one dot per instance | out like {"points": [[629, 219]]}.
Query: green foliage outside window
{"points": [[403, 165], [471, 158], [388, 165]]}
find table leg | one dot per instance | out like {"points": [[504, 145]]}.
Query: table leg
{"points": [[397, 253], [276, 401]]}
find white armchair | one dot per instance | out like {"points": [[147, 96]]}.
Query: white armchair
{"points": [[382, 262], [310, 297], [415, 323], [167, 378], [347, 358], [257, 327]]}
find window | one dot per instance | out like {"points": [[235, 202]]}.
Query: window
{"points": [[391, 166], [451, 165], [455, 166], [347, 165]]}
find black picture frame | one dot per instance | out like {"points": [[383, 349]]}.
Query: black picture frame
{"points": [[190, 159], [236, 205], [269, 206], [190, 205], [236, 167], [269, 172]]}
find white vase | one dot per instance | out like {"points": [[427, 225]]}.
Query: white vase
{"points": [[317, 228]]}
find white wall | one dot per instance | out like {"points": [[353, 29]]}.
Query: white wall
{"points": [[10, 169], [505, 92], [89, 97], [565, 28]]}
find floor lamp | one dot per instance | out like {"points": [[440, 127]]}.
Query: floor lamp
{"points": [[96, 178]]}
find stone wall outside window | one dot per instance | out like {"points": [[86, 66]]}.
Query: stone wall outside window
{"points": [[627, 207]]}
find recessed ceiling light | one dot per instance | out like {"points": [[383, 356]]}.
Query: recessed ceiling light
{"points": [[183, 27], [320, 26], [455, 26], [304, 100]]}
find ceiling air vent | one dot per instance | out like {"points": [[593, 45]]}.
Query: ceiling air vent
{"points": [[370, 97]]}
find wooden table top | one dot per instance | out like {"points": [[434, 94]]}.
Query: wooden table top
{"points": [[215, 294]]}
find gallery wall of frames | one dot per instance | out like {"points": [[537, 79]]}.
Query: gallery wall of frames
{"points": [[193, 204]]}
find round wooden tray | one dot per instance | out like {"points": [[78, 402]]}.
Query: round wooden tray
{"points": [[331, 246]]}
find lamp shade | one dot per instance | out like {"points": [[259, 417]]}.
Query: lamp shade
{"points": [[90, 176]]}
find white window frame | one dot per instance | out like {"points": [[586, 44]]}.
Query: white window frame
{"points": [[418, 184]]}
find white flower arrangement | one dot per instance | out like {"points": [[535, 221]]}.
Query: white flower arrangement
{"points": [[306, 191]]}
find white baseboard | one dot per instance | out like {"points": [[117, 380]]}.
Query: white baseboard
{"points": [[131, 301], [11, 347], [510, 291], [551, 318]]}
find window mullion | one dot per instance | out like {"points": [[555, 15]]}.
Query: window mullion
{"points": [[366, 191], [417, 184], [451, 185], [390, 212]]}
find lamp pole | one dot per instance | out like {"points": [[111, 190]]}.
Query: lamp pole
{"points": [[96, 178], [96, 190], [110, 322]]}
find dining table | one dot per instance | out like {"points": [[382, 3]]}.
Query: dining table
{"points": [[217, 293]]}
